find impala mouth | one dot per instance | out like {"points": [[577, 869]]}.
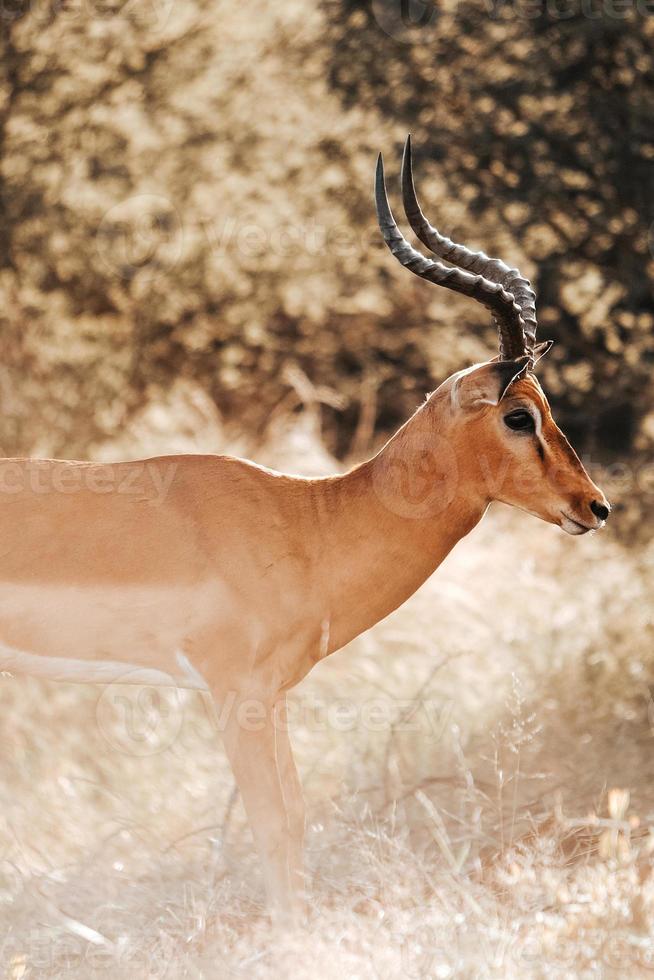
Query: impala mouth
{"points": [[572, 526]]}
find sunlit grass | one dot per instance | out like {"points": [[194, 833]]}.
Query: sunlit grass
{"points": [[462, 765]]}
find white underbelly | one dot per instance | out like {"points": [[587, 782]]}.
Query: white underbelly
{"points": [[181, 672], [130, 634]]}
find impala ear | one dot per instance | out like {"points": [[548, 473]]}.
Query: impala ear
{"points": [[509, 371], [487, 385], [540, 350]]}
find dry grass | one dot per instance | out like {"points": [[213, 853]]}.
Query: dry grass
{"points": [[481, 836]]}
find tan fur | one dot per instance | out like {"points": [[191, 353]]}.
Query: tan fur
{"points": [[250, 577]]}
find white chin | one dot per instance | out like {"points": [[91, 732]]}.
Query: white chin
{"points": [[571, 527]]}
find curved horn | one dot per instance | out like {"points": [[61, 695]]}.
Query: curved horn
{"points": [[506, 313], [465, 258]]}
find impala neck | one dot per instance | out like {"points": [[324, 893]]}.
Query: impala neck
{"points": [[389, 523]]}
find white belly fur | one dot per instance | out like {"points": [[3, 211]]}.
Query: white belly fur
{"points": [[100, 671], [136, 634]]}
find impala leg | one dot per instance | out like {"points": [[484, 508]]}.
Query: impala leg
{"points": [[259, 753], [293, 797]]}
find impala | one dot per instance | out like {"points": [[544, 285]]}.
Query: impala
{"points": [[212, 572]]}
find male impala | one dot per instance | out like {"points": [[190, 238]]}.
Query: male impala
{"points": [[206, 570]]}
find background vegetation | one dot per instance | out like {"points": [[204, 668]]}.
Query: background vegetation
{"points": [[478, 773], [189, 260], [186, 193]]}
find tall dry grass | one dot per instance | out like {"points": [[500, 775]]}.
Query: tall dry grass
{"points": [[477, 770]]}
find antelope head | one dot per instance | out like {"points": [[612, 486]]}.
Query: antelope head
{"points": [[500, 421]]}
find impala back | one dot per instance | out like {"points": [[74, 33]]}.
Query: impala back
{"points": [[149, 568]]}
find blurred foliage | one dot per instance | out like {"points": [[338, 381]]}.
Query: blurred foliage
{"points": [[537, 117], [186, 193]]}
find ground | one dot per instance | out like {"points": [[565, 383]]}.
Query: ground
{"points": [[478, 772]]}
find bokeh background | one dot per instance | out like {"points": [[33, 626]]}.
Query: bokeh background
{"points": [[189, 260], [186, 195]]}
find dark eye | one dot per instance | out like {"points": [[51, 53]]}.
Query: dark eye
{"points": [[520, 421]]}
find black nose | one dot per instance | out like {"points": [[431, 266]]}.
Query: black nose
{"points": [[599, 510]]}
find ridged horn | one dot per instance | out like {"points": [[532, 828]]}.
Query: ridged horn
{"points": [[477, 262], [505, 311]]}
